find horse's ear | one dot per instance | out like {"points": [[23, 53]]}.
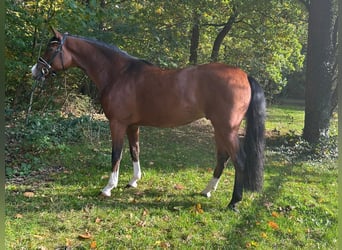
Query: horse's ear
{"points": [[56, 33]]}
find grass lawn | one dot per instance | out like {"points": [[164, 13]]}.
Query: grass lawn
{"points": [[53, 181]]}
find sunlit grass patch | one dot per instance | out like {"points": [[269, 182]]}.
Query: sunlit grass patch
{"points": [[58, 205]]}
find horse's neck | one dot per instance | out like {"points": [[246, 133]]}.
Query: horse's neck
{"points": [[102, 65]]}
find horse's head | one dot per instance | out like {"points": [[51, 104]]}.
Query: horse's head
{"points": [[54, 59]]}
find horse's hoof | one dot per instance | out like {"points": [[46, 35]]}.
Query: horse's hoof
{"points": [[207, 195], [104, 195], [129, 186], [233, 208]]}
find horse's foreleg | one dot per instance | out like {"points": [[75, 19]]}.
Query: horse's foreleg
{"points": [[117, 133], [212, 185], [133, 138]]}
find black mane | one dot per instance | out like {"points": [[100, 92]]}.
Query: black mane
{"points": [[110, 47]]}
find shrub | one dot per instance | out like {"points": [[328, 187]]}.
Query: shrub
{"points": [[293, 147]]}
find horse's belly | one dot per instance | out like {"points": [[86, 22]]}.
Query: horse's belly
{"points": [[170, 116]]}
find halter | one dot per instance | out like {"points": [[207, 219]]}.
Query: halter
{"points": [[47, 68]]}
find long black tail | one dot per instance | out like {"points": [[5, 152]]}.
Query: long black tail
{"points": [[255, 138]]}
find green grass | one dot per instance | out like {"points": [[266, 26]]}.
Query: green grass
{"points": [[296, 210], [282, 119]]}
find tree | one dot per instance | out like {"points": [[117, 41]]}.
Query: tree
{"points": [[321, 74], [265, 39], [222, 34], [194, 40]]}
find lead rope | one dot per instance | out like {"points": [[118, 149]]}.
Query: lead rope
{"points": [[31, 101], [32, 93], [58, 51]]}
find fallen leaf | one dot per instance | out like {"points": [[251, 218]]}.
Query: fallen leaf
{"points": [[38, 236], [29, 194], [198, 209], [165, 245], [139, 193], [264, 235], [187, 237], [18, 216], [145, 212], [275, 214], [68, 243], [93, 245], [254, 244], [141, 223], [273, 225], [268, 205], [42, 248], [162, 244], [85, 236], [166, 218], [178, 187], [97, 220]]}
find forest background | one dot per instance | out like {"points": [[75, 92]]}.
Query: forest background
{"points": [[271, 40], [49, 143], [268, 39]]}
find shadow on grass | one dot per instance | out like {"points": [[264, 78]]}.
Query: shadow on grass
{"points": [[278, 175], [166, 151], [242, 230]]}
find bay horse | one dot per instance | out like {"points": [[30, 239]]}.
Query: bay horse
{"points": [[134, 92]]}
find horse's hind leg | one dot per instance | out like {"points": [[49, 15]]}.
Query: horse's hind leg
{"points": [[133, 139], [238, 158], [227, 143], [239, 163]]}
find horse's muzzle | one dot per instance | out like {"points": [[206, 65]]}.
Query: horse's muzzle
{"points": [[37, 74]]}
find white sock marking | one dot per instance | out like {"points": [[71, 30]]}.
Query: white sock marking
{"points": [[212, 185], [136, 174], [112, 183]]}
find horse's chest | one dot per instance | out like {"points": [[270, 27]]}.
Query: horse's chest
{"points": [[118, 105]]}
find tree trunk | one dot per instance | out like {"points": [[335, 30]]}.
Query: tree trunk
{"points": [[221, 35], [321, 69], [194, 40]]}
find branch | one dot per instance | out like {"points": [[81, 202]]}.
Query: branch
{"points": [[214, 24], [221, 35]]}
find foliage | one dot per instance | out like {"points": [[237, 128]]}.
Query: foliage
{"points": [[267, 39], [57, 207], [295, 148], [45, 134], [284, 125]]}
